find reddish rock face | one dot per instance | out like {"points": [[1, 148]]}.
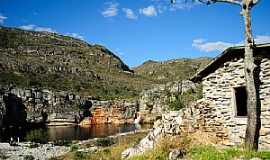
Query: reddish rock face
{"points": [[112, 112]]}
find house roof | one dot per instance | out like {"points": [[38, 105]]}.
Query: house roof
{"points": [[227, 55]]}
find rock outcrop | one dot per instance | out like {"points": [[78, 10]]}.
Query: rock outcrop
{"points": [[155, 101], [114, 112], [58, 108], [171, 70]]}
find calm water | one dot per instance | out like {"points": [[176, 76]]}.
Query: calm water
{"points": [[45, 134]]}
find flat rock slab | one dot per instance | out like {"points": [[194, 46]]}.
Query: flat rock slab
{"points": [[42, 152]]}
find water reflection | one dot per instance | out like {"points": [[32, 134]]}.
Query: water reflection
{"points": [[45, 134]]}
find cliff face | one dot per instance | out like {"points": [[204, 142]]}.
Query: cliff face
{"points": [[51, 61], [47, 77], [58, 108], [166, 97]]}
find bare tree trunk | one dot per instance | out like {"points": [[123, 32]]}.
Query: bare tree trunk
{"points": [[253, 105]]}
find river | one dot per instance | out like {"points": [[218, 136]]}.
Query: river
{"points": [[66, 133]]}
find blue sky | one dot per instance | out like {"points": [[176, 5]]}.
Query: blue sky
{"points": [[139, 30]]}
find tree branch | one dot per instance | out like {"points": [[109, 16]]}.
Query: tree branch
{"points": [[256, 1], [223, 1]]}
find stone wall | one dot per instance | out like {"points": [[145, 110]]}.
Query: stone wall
{"points": [[218, 89]]}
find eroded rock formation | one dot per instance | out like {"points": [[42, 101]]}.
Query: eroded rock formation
{"points": [[58, 108]]}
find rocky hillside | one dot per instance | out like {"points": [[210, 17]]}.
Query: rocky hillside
{"points": [[171, 70], [56, 62]]}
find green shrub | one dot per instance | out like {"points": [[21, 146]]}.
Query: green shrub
{"points": [[177, 103], [74, 148], [29, 157], [62, 142], [183, 100], [80, 155], [105, 142]]}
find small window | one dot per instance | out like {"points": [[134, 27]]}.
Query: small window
{"points": [[241, 101]]}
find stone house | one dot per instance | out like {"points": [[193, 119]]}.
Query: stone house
{"points": [[223, 84]]}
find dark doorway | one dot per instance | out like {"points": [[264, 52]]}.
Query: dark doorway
{"points": [[241, 101]]}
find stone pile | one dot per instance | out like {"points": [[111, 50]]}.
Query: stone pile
{"points": [[169, 124]]}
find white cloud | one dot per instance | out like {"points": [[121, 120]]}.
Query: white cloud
{"points": [[37, 28], [204, 46], [44, 29], [75, 35], [129, 13], [179, 5], [262, 39], [2, 18], [111, 10], [28, 27], [149, 11]]}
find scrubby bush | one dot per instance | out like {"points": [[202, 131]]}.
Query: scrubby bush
{"points": [[178, 101], [104, 142], [79, 155], [74, 148], [62, 142], [29, 157]]}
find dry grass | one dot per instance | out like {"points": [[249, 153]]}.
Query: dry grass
{"points": [[107, 153], [203, 138], [195, 146], [163, 148]]}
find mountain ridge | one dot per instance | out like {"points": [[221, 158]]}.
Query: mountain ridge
{"points": [[62, 63], [43, 59]]}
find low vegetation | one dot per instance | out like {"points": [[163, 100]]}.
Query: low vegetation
{"points": [[179, 101], [60, 63], [197, 146], [111, 149], [171, 70], [213, 153]]}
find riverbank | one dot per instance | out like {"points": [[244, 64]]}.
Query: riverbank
{"points": [[61, 150], [109, 148], [187, 147]]}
